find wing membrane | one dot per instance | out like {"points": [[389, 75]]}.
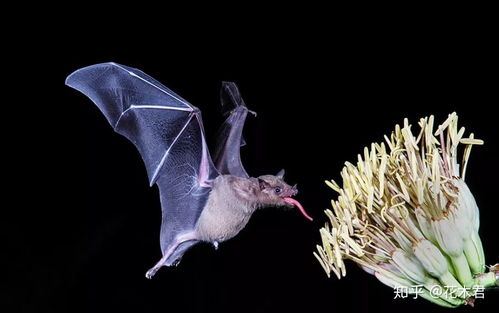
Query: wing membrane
{"points": [[227, 154], [168, 133]]}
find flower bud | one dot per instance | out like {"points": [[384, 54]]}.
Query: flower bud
{"points": [[468, 204], [409, 266], [425, 225], [430, 257], [447, 236], [391, 280]]}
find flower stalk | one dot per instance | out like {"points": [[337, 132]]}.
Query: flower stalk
{"points": [[406, 216]]}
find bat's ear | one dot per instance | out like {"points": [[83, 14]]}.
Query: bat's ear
{"points": [[263, 184], [280, 174]]}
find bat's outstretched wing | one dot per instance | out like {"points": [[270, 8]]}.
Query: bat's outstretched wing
{"points": [[167, 131], [227, 154]]}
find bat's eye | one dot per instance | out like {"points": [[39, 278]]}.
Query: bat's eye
{"points": [[277, 190]]}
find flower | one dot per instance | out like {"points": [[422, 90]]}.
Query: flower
{"points": [[405, 214]]}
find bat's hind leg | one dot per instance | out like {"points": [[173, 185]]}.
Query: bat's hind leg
{"points": [[180, 239]]}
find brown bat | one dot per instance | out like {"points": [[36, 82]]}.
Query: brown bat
{"points": [[201, 201]]}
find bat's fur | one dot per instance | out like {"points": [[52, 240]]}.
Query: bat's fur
{"points": [[233, 200]]}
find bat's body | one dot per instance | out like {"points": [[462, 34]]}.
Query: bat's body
{"points": [[200, 201], [230, 205]]}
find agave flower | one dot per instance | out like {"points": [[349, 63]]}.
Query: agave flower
{"points": [[405, 215]]}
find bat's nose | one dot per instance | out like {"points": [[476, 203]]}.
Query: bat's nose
{"points": [[294, 190]]}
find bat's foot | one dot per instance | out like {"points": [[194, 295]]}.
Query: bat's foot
{"points": [[215, 245], [180, 239], [150, 273]]}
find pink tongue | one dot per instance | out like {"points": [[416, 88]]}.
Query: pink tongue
{"points": [[298, 205]]}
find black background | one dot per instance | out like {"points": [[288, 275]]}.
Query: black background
{"points": [[320, 100]]}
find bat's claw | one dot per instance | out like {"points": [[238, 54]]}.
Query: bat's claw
{"points": [[215, 244], [232, 111], [177, 261]]}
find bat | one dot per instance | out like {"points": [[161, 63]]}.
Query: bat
{"points": [[202, 199]]}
